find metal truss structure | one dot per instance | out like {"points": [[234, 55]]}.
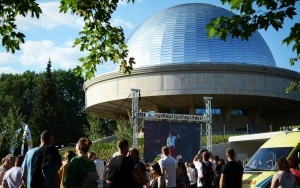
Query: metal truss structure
{"points": [[136, 114]]}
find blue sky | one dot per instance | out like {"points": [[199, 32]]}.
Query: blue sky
{"points": [[53, 34]]}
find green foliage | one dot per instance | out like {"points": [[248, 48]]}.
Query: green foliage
{"points": [[48, 110], [9, 10], [216, 139], [93, 129], [105, 150], [19, 93], [102, 41], [124, 130], [98, 38], [9, 124], [11, 90], [69, 87], [269, 13]]}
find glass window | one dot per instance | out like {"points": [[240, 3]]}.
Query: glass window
{"points": [[201, 111], [238, 112], [266, 158]]}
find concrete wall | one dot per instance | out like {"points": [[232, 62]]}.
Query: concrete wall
{"points": [[193, 79]]}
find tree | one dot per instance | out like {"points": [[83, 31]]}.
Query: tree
{"points": [[102, 41], [69, 87], [124, 130], [270, 13], [9, 10], [17, 91], [10, 92], [48, 110], [9, 136], [29, 80], [93, 129], [19, 94]]}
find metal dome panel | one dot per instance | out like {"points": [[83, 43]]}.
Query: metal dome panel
{"points": [[178, 35]]}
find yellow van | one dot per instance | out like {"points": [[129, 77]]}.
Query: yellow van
{"points": [[263, 164]]}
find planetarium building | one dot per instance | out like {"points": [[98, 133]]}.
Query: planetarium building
{"points": [[177, 65]]}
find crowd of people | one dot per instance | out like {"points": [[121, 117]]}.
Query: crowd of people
{"points": [[43, 167]]}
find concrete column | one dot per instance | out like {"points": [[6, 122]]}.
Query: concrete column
{"points": [[226, 112], [192, 109], [253, 116], [156, 109]]}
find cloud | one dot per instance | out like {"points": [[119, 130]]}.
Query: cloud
{"points": [[5, 57], [49, 19], [38, 53], [120, 22], [8, 70]]}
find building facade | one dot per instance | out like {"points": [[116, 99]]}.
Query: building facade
{"points": [[177, 65]]}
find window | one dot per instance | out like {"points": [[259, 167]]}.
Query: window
{"points": [[201, 111], [238, 112], [266, 158]]}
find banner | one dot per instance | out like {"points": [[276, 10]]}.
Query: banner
{"points": [[27, 137]]}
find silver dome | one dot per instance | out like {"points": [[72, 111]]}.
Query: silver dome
{"points": [[178, 35]]}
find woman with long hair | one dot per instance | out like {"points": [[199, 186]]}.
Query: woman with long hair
{"points": [[183, 180], [62, 172], [80, 165], [283, 178], [158, 180]]}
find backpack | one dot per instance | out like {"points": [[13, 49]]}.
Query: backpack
{"points": [[44, 162], [90, 178], [217, 176], [208, 174]]}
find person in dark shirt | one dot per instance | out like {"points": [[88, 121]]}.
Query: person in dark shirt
{"points": [[232, 172], [121, 168], [139, 173], [46, 163]]}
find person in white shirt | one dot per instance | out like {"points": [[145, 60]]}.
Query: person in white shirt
{"points": [[169, 167], [8, 163], [99, 167], [198, 164], [171, 143], [13, 177], [193, 175]]}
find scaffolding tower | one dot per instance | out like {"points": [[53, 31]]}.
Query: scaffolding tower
{"points": [[136, 114]]}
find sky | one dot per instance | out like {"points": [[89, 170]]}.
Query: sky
{"points": [[52, 36]]}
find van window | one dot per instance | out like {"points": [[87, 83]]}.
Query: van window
{"points": [[266, 158]]}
